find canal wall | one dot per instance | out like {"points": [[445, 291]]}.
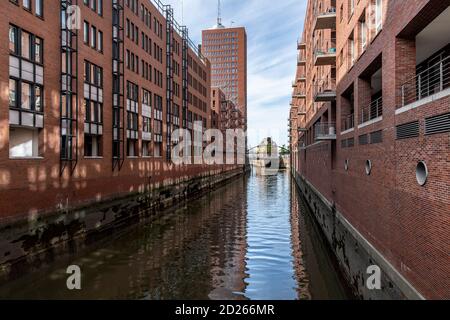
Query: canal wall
{"points": [[354, 253], [32, 242]]}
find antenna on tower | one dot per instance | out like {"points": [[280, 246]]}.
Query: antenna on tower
{"points": [[219, 14]]}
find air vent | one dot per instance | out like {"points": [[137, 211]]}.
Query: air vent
{"points": [[438, 124], [376, 137], [363, 139], [408, 130], [344, 143], [351, 142]]}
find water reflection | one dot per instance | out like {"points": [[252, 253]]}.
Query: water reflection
{"points": [[247, 240]]}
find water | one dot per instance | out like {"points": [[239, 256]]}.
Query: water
{"points": [[251, 239]]}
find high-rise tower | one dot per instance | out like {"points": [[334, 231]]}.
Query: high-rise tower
{"points": [[226, 48]]}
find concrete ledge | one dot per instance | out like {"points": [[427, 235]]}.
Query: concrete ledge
{"points": [[368, 123], [423, 101], [354, 252]]}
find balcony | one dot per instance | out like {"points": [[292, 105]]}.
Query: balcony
{"points": [[300, 95], [432, 83], [373, 112], [325, 53], [301, 45], [301, 61], [325, 18], [294, 84], [348, 123], [325, 131], [325, 90]]}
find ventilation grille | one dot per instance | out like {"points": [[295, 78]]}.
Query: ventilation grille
{"points": [[351, 142], [344, 143], [438, 124], [348, 143], [408, 130], [376, 137], [363, 140]]}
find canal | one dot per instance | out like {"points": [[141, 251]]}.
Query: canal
{"points": [[253, 238]]}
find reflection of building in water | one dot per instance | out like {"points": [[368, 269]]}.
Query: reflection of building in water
{"points": [[228, 254], [297, 250]]}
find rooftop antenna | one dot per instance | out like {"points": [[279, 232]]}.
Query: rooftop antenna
{"points": [[219, 14]]}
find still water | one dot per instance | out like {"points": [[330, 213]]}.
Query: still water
{"points": [[251, 239]]}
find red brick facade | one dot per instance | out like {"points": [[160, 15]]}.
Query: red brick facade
{"points": [[407, 223], [34, 185]]}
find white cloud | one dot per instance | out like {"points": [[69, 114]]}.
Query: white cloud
{"points": [[272, 30]]}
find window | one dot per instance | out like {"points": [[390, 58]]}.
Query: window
{"points": [[86, 32], [26, 96], [100, 7], [27, 4], [39, 8], [26, 45], [378, 15], [37, 50], [363, 33], [93, 37], [13, 45], [100, 41], [13, 93]]}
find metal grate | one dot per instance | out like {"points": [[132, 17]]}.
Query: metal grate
{"points": [[376, 137], [437, 124], [363, 139], [351, 142], [408, 130]]}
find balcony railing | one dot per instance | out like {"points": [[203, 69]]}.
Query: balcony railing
{"points": [[348, 122], [431, 81], [301, 60], [325, 17], [373, 111], [300, 44], [325, 131], [325, 90], [325, 53]]}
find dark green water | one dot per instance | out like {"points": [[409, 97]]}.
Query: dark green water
{"points": [[251, 239]]}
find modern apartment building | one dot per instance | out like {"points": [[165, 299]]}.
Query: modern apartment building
{"points": [[370, 130], [226, 49], [91, 93]]}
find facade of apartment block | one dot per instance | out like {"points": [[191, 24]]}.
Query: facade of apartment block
{"points": [[371, 139], [91, 93], [226, 49], [225, 113]]}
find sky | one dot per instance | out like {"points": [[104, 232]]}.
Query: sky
{"points": [[273, 27]]}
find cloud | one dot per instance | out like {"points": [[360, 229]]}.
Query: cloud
{"points": [[272, 31]]}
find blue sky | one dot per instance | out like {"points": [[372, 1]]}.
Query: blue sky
{"points": [[272, 31]]}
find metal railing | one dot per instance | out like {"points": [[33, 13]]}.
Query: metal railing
{"points": [[323, 86], [323, 11], [372, 111], [325, 47], [348, 122], [301, 58], [428, 82], [325, 130]]}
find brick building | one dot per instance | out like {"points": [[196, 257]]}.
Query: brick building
{"points": [[369, 130], [226, 114], [87, 113], [226, 48]]}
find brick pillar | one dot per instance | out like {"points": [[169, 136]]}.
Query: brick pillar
{"points": [[405, 67], [363, 97]]}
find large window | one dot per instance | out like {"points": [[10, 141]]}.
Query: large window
{"points": [[93, 106]]}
